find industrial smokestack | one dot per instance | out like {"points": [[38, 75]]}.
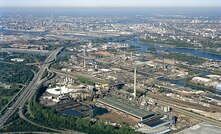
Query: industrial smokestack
{"points": [[84, 58], [131, 55], [60, 88], [135, 81]]}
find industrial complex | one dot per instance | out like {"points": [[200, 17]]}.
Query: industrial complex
{"points": [[151, 74]]}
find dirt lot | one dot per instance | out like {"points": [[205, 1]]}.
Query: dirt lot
{"points": [[118, 117]]}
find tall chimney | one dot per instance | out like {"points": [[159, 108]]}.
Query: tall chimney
{"points": [[135, 81], [131, 54], [84, 57]]}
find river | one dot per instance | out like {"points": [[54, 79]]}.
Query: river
{"points": [[143, 47], [195, 52], [14, 32]]}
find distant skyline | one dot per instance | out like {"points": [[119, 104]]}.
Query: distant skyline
{"points": [[110, 3]]}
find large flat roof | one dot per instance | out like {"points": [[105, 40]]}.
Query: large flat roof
{"points": [[59, 90], [202, 128], [125, 107]]}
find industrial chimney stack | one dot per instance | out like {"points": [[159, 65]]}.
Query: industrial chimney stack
{"points": [[135, 81]]}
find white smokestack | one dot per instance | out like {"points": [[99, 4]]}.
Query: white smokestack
{"points": [[84, 57], [135, 81]]}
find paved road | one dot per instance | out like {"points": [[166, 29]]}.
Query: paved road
{"points": [[30, 89], [22, 116]]}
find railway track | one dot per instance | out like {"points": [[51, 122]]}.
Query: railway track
{"points": [[190, 113]]}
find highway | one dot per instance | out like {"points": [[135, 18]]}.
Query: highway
{"points": [[30, 89]]}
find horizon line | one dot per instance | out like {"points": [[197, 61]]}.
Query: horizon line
{"points": [[110, 6]]}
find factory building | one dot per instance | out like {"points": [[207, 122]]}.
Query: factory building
{"points": [[59, 93], [126, 108], [17, 59], [59, 90], [201, 79]]}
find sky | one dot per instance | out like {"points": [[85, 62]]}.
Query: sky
{"points": [[110, 3]]}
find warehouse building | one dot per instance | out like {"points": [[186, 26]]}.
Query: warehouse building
{"points": [[126, 108], [201, 79]]}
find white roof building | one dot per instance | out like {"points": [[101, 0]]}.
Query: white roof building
{"points": [[17, 59], [201, 79], [59, 90]]}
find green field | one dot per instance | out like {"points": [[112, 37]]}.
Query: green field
{"points": [[6, 95]]}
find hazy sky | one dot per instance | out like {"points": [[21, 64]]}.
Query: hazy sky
{"points": [[110, 3]]}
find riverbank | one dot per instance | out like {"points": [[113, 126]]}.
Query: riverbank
{"points": [[172, 46], [165, 45], [193, 52], [15, 30]]}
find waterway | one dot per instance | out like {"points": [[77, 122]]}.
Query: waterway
{"points": [[14, 32], [80, 113], [72, 112], [30, 52], [183, 82], [143, 47], [81, 36]]}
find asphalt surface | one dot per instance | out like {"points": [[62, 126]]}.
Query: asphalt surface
{"points": [[30, 89]]}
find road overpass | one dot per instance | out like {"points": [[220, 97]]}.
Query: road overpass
{"points": [[30, 89]]}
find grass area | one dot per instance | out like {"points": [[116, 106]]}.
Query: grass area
{"points": [[85, 80], [164, 90], [168, 44], [186, 58], [56, 66], [6, 95]]}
